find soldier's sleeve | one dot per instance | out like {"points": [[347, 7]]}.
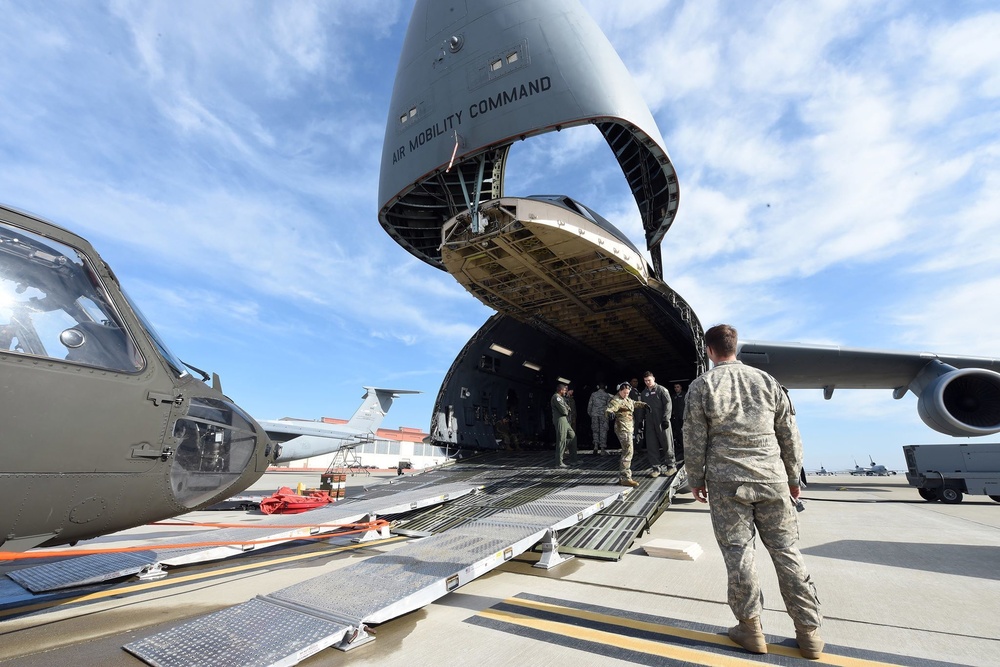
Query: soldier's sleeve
{"points": [[668, 405], [695, 437], [789, 438]]}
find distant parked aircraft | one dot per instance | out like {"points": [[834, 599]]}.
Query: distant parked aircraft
{"points": [[876, 469]]}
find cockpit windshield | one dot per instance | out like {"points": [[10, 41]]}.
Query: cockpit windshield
{"points": [[52, 304], [176, 365]]}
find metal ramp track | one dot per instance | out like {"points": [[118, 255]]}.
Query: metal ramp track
{"points": [[507, 482], [377, 501], [301, 620], [606, 535]]}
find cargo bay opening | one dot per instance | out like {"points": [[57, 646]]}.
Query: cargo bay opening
{"points": [[576, 301]]}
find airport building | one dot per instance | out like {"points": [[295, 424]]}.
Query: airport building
{"points": [[385, 450]]}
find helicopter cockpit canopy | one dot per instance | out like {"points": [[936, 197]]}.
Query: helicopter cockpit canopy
{"points": [[53, 305]]}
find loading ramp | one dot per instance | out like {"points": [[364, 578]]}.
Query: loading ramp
{"points": [[511, 479], [287, 626], [382, 500]]}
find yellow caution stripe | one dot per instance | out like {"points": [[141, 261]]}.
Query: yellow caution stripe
{"points": [[576, 627]]}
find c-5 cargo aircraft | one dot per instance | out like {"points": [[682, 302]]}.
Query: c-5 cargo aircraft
{"points": [[570, 290], [103, 427]]}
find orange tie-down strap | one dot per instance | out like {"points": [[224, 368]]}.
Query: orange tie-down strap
{"points": [[348, 528]]}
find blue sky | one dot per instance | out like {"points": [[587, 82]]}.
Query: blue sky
{"points": [[839, 166]]}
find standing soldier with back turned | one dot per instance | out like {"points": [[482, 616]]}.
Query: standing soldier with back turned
{"points": [[741, 442], [596, 407], [677, 421]]}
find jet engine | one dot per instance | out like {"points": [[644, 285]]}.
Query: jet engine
{"points": [[958, 402]]}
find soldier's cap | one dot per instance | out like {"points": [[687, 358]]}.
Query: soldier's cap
{"points": [[624, 385]]}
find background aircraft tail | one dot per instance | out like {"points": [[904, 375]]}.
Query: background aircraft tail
{"points": [[376, 404]]}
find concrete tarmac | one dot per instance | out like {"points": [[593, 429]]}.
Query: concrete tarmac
{"points": [[901, 580]]}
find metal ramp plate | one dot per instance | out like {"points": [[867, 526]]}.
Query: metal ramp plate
{"points": [[608, 534], [507, 482], [253, 633], [275, 528], [371, 591]]}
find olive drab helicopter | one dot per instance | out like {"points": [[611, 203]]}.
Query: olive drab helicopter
{"points": [[103, 427]]}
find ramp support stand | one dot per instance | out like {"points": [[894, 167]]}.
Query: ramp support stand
{"points": [[151, 572], [373, 534], [355, 637], [550, 552]]}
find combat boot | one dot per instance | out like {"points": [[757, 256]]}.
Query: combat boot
{"points": [[749, 635], [810, 643], [627, 482]]}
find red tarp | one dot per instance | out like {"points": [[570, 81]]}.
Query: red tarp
{"points": [[286, 501]]}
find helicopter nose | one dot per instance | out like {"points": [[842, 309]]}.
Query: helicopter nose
{"points": [[216, 443]]}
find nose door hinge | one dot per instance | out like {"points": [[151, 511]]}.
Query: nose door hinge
{"points": [[160, 398], [145, 451]]}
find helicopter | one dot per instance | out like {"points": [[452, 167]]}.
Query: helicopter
{"points": [[104, 427]]}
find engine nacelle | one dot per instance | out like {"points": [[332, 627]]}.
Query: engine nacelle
{"points": [[957, 402]]}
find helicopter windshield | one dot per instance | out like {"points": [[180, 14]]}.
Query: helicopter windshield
{"points": [[176, 365], [53, 305]]}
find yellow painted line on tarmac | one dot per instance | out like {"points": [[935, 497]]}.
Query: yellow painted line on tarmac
{"points": [[172, 581], [650, 646], [646, 646]]}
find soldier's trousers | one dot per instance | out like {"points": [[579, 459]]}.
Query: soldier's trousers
{"points": [[677, 429], [625, 438], [565, 435], [738, 508], [599, 426], [657, 439]]}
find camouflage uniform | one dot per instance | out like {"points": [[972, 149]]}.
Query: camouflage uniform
{"points": [[658, 436], [623, 409], [596, 407], [564, 433], [677, 425], [740, 439]]}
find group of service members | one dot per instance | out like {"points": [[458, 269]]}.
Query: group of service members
{"points": [[652, 415], [743, 457]]}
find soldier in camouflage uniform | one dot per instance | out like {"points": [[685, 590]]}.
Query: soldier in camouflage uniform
{"points": [[596, 408], [621, 407], [740, 440], [564, 432]]}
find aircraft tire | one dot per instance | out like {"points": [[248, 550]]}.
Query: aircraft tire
{"points": [[950, 496], [930, 495]]}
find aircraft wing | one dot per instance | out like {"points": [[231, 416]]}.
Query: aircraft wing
{"points": [[282, 430], [958, 396]]}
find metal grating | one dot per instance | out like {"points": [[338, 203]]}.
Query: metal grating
{"points": [[371, 591], [104, 567], [81, 571], [510, 482], [608, 534], [257, 632]]}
